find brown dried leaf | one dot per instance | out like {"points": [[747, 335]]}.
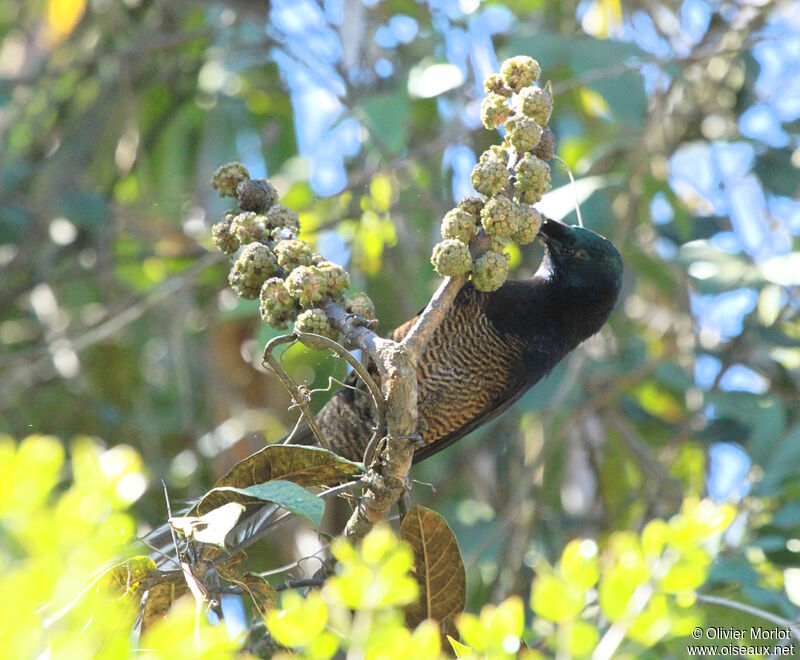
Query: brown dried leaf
{"points": [[438, 567], [306, 466], [158, 601], [262, 592]]}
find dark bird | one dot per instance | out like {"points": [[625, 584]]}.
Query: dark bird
{"points": [[492, 347], [488, 351]]}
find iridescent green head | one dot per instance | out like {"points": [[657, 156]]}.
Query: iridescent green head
{"points": [[582, 258]]}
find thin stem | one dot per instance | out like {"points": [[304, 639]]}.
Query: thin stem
{"points": [[749, 609], [315, 340], [574, 190], [294, 390]]}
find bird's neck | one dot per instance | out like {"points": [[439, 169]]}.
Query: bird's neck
{"points": [[550, 314]]}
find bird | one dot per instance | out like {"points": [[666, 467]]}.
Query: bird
{"points": [[491, 347]]}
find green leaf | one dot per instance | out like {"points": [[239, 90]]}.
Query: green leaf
{"points": [[579, 563], [461, 650], [285, 494], [299, 620], [555, 599]]}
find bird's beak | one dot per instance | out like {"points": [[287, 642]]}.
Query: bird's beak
{"points": [[553, 233]]}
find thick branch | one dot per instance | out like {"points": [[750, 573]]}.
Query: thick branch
{"points": [[397, 365], [432, 315]]}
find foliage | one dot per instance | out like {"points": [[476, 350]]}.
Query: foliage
{"points": [[682, 134], [53, 538]]}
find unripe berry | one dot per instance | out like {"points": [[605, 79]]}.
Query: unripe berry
{"points": [[499, 217], [494, 111], [457, 223], [489, 178], [316, 321], [451, 257], [292, 253], [496, 84], [227, 177], [489, 271], [360, 303], [521, 71], [530, 222], [532, 179], [281, 216], [472, 205], [547, 145], [537, 103], [495, 153], [223, 237], [277, 305], [251, 269], [306, 284], [337, 280], [256, 195], [523, 133], [249, 227]]}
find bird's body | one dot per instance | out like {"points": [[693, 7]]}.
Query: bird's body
{"points": [[492, 347], [489, 350]]}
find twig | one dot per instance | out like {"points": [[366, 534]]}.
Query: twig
{"points": [[749, 609], [169, 518], [315, 341], [299, 583], [294, 390]]}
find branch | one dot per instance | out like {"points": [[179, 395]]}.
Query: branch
{"points": [[432, 315], [397, 365]]}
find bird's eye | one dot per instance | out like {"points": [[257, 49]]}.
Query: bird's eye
{"points": [[581, 254]]}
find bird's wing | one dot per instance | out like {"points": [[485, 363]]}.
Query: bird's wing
{"points": [[469, 373]]}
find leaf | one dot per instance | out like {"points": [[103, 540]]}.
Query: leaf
{"points": [[264, 596], [127, 577], [158, 601], [299, 621], [438, 567], [306, 466], [461, 650], [212, 527], [285, 494], [63, 16], [556, 599]]}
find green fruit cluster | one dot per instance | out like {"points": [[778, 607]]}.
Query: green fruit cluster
{"points": [[360, 303], [269, 262], [510, 177], [451, 257]]}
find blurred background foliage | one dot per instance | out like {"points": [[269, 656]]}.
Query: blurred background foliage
{"points": [[679, 119]]}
